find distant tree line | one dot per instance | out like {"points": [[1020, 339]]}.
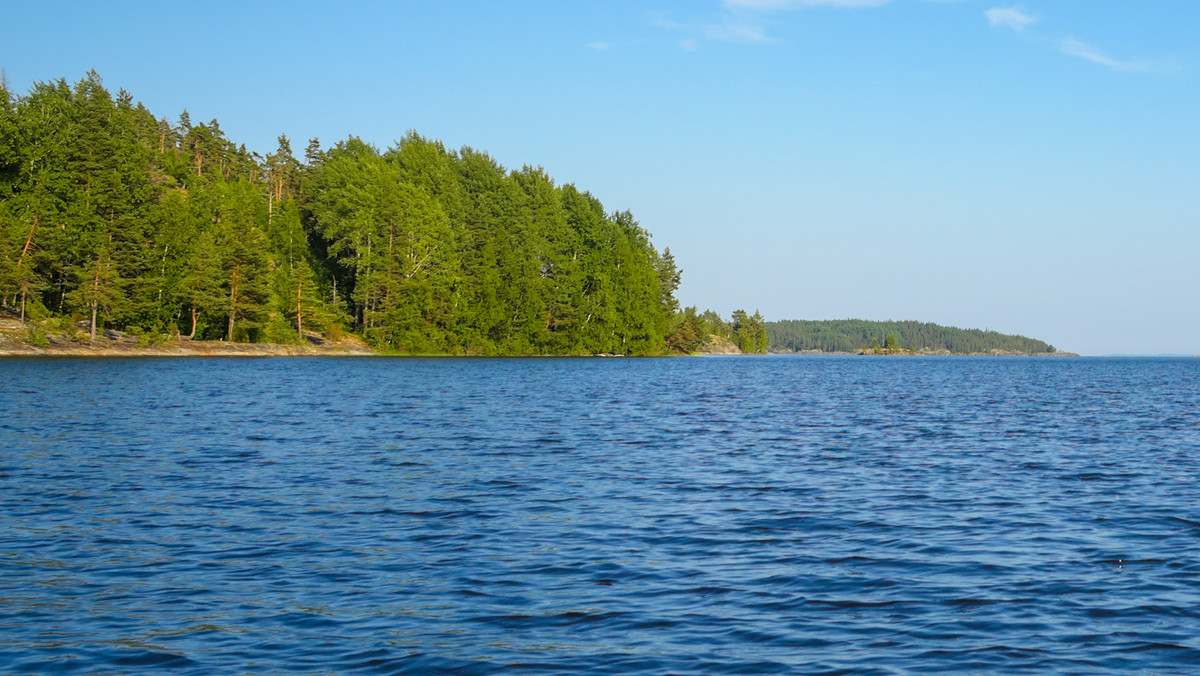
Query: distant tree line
{"points": [[116, 218], [853, 335]]}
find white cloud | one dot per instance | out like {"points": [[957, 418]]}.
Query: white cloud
{"points": [[1017, 20], [737, 30], [660, 20], [765, 5], [741, 33], [732, 29], [1073, 47], [598, 45], [1008, 17]]}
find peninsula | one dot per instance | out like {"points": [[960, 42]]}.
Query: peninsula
{"points": [[857, 336], [122, 232]]}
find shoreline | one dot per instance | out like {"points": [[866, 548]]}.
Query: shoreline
{"points": [[216, 349], [184, 349], [18, 340]]}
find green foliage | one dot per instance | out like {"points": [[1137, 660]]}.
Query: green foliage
{"points": [[149, 338], [99, 288], [715, 325], [200, 283], [110, 212], [36, 336], [749, 332], [688, 332], [277, 329], [333, 331], [852, 335]]}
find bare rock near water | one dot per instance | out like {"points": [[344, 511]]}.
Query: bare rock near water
{"points": [[715, 344], [30, 339]]}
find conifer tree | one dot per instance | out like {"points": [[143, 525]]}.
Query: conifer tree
{"points": [[99, 288], [306, 308], [201, 284]]}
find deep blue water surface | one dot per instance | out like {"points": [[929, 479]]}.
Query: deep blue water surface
{"points": [[713, 515]]}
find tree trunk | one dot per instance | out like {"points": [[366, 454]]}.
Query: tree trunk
{"points": [[233, 289], [28, 240], [299, 316], [21, 260], [95, 302]]}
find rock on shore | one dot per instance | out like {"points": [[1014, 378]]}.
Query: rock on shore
{"points": [[715, 344], [27, 339]]}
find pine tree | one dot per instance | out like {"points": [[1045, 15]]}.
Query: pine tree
{"points": [[246, 282], [99, 288], [201, 285], [307, 305]]}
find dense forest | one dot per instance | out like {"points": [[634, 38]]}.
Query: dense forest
{"points": [[853, 335], [112, 217]]}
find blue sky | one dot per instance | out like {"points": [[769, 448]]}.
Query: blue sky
{"points": [[1030, 168]]}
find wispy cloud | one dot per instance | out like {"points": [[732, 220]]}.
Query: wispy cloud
{"points": [[1008, 17], [740, 25], [741, 33], [661, 20], [1017, 20], [599, 45], [767, 5], [733, 29], [1073, 47]]}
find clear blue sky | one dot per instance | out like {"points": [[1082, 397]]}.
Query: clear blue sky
{"points": [[1030, 168]]}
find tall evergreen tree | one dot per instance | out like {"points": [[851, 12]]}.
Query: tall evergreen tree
{"points": [[99, 289], [201, 285]]}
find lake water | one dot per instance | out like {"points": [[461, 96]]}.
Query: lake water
{"points": [[708, 515]]}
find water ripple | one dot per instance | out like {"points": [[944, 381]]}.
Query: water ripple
{"points": [[778, 515]]}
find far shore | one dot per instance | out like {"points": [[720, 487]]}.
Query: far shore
{"points": [[927, 353]]}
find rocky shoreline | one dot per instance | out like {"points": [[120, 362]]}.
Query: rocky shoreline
{"points": [[29, 339], [26, 339], [931, 353]]}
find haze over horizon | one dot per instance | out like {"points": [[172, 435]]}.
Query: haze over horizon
{"points": [[1026, 168]]}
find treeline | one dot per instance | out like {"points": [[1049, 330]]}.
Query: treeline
{"points": [[853, 335], [112, 216]]}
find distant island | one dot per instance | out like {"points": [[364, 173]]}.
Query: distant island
{"points": [[857, 336]]}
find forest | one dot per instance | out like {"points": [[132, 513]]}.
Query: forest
{"points": [[855, 335], [112, 217]]}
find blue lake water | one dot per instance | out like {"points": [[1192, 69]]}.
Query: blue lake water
{"points": [[709, 515]]}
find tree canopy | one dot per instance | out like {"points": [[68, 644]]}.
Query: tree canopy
{"points": [[111, 215]]}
